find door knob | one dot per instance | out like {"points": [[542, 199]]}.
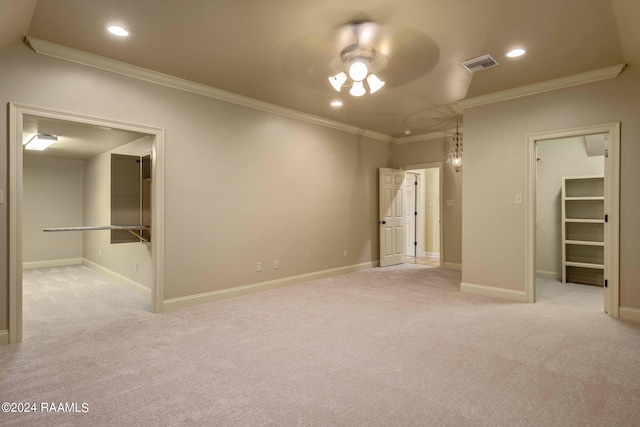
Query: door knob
{"points": [[383, 222]]}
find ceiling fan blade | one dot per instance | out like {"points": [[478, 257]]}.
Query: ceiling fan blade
{"points": [[409, 54]]}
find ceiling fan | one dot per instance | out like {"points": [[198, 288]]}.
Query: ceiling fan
{"points": [[357, 63]]}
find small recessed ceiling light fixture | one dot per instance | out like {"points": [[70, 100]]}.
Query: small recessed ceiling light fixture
{"points": [[407, 132], [40, 142], [336, 103], [515, 53], [118, 31]]}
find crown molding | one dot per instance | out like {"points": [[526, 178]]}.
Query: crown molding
{"points": [[427, 136], [55, 50], [547, 86]]}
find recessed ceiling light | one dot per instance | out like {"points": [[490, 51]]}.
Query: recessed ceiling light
{"points": [[118, 31], [336, 103], [515, 53], [407, 132]]}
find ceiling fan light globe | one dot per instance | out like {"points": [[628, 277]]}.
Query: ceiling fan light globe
{"points": [[357, 89], [375, 84], [338, 80], [358, 71]]}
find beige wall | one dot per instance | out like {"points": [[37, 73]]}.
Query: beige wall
{"points": [[493, 250], [431, 151], [242, 185], [432, 210], [52, 197], [558, 158], [118, 258]]}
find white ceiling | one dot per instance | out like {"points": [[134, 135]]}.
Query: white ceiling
{"points": [[282, 51]]}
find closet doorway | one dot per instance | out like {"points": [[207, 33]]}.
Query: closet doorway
{"points": [[573, 215], [19, 118], [570, 220]]}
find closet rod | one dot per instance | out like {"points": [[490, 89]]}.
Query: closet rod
{"points": [[130, 228]]}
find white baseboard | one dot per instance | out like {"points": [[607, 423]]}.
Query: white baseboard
{"points": [[4, 337], [131, 284], [553, 275], [490, 291], [452, 266], [174, 303], [51, 263], [627, 313], [431, 254]]}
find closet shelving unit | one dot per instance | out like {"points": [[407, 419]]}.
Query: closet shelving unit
{"points": [[583, 220]]}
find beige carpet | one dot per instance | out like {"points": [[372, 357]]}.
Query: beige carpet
{"points": [[397, 346]]}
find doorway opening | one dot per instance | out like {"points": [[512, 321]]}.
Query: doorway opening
{"points": [[24, 120], [573, 212], [399, 224], [570, 221], [422, 216]]}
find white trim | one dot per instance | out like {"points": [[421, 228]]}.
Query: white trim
{"points": [[84, 58], [16, 113], [51, 263], [612, 208], [627, 313], [553, 275], [490, 291], [452, 266], [15, 224], [158, 162], [546, 86], [131, 284], [431, 255], [440, 166], [426, 136], [175, 303], [420, 207], [4, 337]]}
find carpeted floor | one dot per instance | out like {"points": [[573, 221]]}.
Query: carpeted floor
{"points": [[395, 346]]}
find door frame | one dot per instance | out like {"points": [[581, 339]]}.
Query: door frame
{"points": [[612, 207], [419, 249], [16, 114], [439, 166]]}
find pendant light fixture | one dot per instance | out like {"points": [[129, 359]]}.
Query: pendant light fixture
{"points": [[455, 155]]}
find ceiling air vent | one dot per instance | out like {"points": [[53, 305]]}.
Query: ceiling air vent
{"points": [[479, 63]]}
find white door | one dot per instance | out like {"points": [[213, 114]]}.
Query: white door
{"points": [[410, 214], [391, 217]]}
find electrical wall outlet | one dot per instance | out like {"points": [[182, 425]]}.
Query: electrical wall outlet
{"points": [[136, 265], [276, 264], [344, 253], [258, 266]]}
